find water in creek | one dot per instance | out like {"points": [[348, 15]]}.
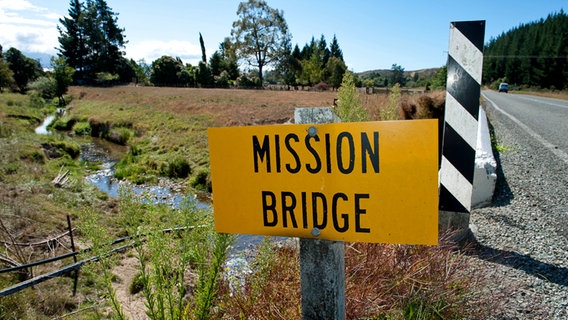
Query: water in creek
{"points": [[42, 129], [108, 154]]}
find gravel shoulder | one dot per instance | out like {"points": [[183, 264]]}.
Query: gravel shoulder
{"points": [[522, 238]]}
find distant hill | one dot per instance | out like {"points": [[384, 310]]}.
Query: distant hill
{"points": [[44, 58]]}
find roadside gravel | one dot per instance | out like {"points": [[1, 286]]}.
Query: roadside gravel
{"points": [[522, 238]]}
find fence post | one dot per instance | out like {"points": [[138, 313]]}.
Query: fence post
{"points": [[463, 87], [76, 272], [322, 262]]}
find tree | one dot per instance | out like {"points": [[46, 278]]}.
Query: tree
{"points": [[204, 77], [72, 39], [63, 75], [260, 34], [334, 49], [24, 69], [397, 75], [91, 41], [216, 63], [439, 79], [335, 69], [202, 43], [6, 75], [289, 66], [165, 71]]}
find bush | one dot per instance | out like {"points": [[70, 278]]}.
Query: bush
{"points": [[44, 86], [137, 284], [201, 181], [178, 168], [120, 135], [36, 101], [82, 129], [71, 148], [64, 124]]}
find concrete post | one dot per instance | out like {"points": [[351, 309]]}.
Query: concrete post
{"points": [[465, 62], [322, 262]]}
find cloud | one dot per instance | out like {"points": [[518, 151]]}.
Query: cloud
{"points": [[150, 50], [27, 27]]}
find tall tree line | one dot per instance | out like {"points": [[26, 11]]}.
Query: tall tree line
{"points": [[533, 54], [315, 63]]}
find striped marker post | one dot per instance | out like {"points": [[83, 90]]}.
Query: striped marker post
{"points": [[463, 87]]}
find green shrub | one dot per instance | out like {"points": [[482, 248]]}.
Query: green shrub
{"points": [[44, 86], [36, 101], [11, 168], [178, 167], [120, 135], [82, 128], [349, 107], [71, 148], [201, 181], [63, 124], [137, 284]]}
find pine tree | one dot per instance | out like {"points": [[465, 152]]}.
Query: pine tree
{"points": [[202, 43], [91, 41], [72, 40], [334, 49]]}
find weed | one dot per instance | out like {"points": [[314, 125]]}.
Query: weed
{"points": [[389, 112], [497, 146], [349, 107]]}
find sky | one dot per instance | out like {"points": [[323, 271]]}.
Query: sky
{"points": [[372, 34]]}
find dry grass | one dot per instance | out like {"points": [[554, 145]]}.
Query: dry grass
{"points": [[229, 107], [382, 282]]}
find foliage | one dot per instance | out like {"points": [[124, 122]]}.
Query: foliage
{"points": [[178, 167], [439, 79], [44, 86], [24, 69], [63, 75], [532, 54], [389, 112], [349, 107], [82, 128], [91, 41], [397, 76], [36, 101], [165, 71], [6, 74], [260, 34]]}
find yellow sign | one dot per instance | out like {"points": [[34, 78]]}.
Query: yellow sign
{"points": [[359, 182]]}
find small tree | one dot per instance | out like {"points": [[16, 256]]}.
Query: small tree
{"points": [[63, 75], [6, 75], [24, 69], [349, 108]]}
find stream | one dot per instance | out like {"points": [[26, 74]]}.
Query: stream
{"points": [[107, 154]]}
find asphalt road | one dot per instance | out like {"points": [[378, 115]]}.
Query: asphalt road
{"points": [[545, 119]]}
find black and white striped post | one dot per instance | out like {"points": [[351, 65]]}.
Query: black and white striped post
{"points": [[463, 87]]}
